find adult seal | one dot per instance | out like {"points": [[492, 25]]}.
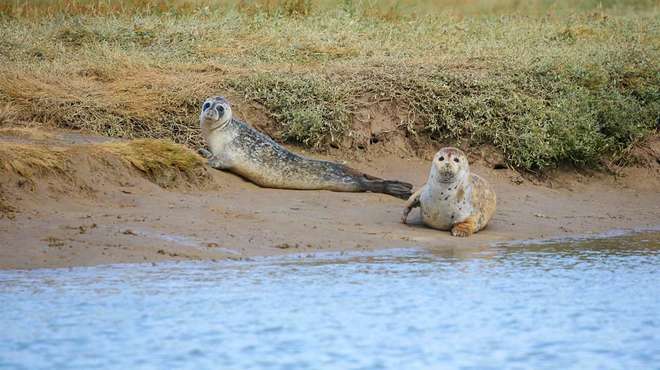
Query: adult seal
{"points": [[238, 148], [453, 198]]}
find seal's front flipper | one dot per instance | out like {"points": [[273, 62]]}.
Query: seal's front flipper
{"points": [[204, 153], [219, 163], [411, 203]]}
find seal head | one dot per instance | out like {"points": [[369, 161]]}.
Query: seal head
{"points": [[449, 165], [216, 112]]}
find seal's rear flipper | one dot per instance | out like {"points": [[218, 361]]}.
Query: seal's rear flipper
{"points": [[398, 189], [394, 188]]}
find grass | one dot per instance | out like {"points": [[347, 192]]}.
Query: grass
{"points": [[31, 161], [160, 161], [312, 109], [546, 83]]}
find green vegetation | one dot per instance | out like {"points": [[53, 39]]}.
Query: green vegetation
{"points": [[545, 82]]}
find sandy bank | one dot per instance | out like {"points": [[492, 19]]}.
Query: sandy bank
{"points": [[131, 219]]}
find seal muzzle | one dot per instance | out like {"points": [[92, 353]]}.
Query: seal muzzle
{"points": [[211, 114]]}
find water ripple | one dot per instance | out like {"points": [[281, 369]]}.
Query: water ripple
{"points": [[587, 304]]}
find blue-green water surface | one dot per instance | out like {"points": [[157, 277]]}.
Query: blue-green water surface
{"points": [[580, 305]]}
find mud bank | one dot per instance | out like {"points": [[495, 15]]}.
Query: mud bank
{"points": [[124, 216]]}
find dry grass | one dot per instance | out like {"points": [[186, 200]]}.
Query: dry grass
{"points": [[164, 163], [546, 83], [140, 103], [382, 9], [32, 161]]}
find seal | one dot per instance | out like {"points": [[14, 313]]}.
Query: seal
{"points": [[453, 198], [238, 148]]}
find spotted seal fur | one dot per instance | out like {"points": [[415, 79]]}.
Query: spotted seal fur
{"points": [[238, 148], [453, 198]]}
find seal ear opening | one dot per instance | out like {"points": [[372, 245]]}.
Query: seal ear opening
{"points": [[222, 100]]}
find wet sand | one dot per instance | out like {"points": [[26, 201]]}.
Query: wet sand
{"points": [[134, 220]]}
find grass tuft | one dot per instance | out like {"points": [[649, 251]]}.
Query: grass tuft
{"points": [[311, 109], [33, 161], [162, 161]]}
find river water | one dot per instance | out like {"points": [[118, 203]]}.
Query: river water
{"points": [[590, 304]]}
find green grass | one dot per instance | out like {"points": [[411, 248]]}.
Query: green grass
{"points": [[545, 82], [313, 110]]}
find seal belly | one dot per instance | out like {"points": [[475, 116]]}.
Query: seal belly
{"points": [[435, 211], [441, 209]]}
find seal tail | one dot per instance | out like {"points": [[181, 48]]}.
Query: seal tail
{"points": [[399, 189]]}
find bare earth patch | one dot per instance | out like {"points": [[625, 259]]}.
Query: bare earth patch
{"points": [[123, 214]]}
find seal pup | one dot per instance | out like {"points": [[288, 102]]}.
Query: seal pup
{"points": [[238, 148], [453, 198]]}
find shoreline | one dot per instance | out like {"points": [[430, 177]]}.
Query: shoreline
{"points": [[338, 255], [116, 215]]}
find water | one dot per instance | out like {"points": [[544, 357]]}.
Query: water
{"points": [[583, 305]]}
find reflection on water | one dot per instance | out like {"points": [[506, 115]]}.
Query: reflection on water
{"points": [[586, 304]]}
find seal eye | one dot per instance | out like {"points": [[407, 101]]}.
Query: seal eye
{"points": [[441, 158], [456, 160], [206, 106]]}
